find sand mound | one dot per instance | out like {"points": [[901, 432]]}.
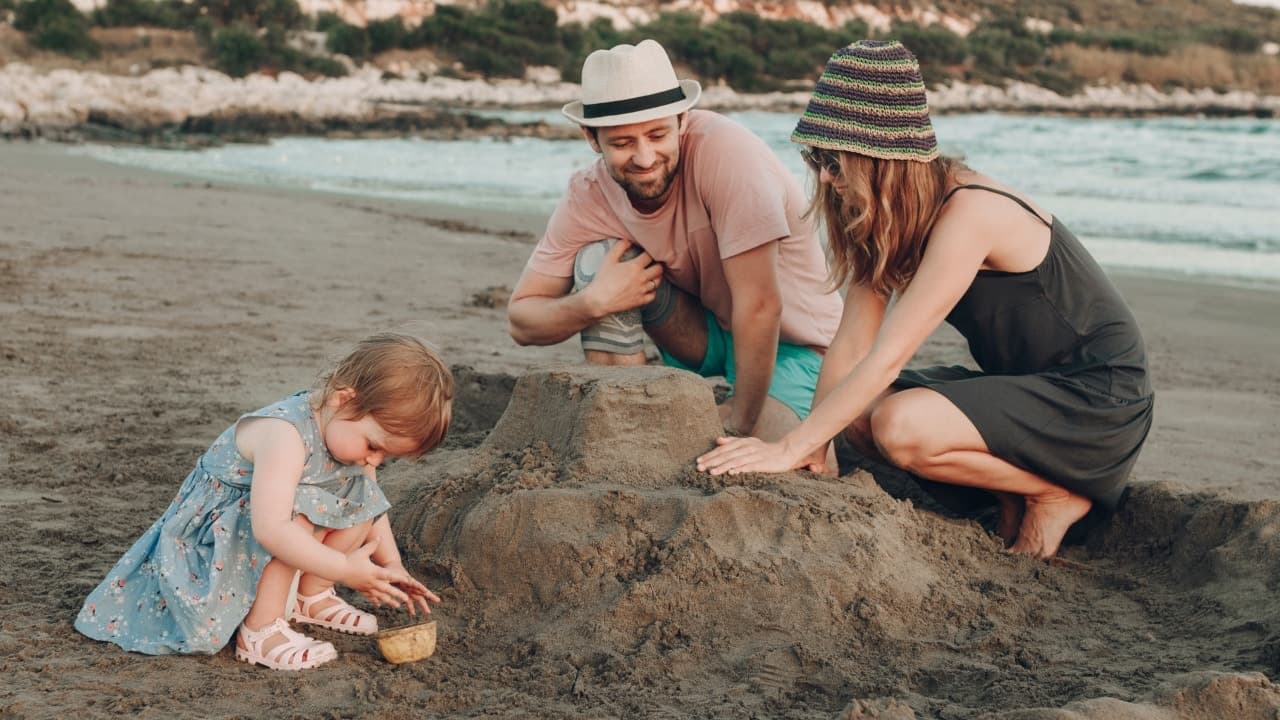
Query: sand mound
{"points": [[581, 543]]}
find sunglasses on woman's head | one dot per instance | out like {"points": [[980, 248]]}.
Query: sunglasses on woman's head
{"points": [[818, 160]]}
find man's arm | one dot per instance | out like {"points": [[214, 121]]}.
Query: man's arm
{"points": [[543, 312], [752, 277]]}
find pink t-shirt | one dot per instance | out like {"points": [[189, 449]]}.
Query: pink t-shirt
{"points": [[731, 194]]}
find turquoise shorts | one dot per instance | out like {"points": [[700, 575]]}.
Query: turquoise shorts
{"points": [[795, 373]]}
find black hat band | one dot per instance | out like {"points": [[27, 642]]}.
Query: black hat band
{"points": [[630, 105]]}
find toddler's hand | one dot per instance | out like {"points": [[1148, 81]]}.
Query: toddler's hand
{"points": [[417, 592], [375, 582]]}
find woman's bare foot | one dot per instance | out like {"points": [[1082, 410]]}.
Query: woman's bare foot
{"points": [[1045, 521], [1012, 507]]}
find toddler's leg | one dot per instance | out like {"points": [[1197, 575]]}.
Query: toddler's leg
{"points": [[317, 604], [269, 609], [344, 541]]}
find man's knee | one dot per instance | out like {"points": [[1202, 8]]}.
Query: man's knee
{"points": [[620, 334]]}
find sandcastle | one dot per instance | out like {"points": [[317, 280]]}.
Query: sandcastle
{"points": [[579, 533]]}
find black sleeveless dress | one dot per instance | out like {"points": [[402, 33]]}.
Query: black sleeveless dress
{"points": [[1063, 390]]}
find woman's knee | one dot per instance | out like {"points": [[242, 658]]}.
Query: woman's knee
{"points": [[861, 433], [897, 431]]}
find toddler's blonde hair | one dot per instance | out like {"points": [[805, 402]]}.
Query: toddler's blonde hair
{"points": [[401, 382]]}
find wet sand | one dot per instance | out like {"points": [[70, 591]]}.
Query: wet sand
{"points": [[140, 313]]}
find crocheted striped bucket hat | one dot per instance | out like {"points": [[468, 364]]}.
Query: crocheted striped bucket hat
{"points": [[870, 100]]}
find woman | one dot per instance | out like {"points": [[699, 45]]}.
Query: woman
{"points": [[1053, 422]]}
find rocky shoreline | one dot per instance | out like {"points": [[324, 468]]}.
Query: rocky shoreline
{"points": [[194, 106]]}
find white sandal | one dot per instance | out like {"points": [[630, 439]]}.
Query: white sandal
{"points": [[297, 652], [340, 616]]}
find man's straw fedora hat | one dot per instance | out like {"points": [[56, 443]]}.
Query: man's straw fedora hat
{"points": [[630, 84]]}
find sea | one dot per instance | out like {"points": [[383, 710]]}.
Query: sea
{"points": [[1194, 197]]}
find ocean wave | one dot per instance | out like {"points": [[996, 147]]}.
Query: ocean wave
{"points": [[1174, 192]]}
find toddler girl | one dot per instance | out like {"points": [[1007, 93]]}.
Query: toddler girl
{"points": [[288, 488]]}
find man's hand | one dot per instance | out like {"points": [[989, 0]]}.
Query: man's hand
{"points": [[734, 426], [622, 284]]}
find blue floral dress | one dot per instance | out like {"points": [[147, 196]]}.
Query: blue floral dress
{"points": [[188, 582]]}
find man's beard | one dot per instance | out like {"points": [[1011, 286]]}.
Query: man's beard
{"points": [[649, 190]]}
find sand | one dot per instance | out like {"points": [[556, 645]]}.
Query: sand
{"points": [[587, 571]]}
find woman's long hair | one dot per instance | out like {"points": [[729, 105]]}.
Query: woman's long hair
{"points": [[877, 232]]}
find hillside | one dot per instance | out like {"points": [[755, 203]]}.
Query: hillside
{"points": [[748, 45], [959, 15]]}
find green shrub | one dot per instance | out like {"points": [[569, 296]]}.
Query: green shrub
{"points": [[203, 28], [489, 62], [237, 51], [326, 66], [747, 51], [932, 44], [793, 64], [529, 19], [252, 13], [326, 20], [987, 46], [1003, 47], [1232, 39], [1062, 83], [65, 35], [1063, 36], [151, 13], [55, 25], [29, 15], [1148, 42], [1143, 44], [502, 39], [580, 41], [348, 40], [385, 34], [852, 31]]}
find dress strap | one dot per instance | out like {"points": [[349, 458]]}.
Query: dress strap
{"points": [[997, 191]]}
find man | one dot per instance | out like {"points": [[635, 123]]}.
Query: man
{"points": [[690, 229]]}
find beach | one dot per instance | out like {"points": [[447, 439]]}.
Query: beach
{"points": [[141, 313]]}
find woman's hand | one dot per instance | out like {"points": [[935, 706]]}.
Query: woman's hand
{"points": [[747, 454], [817, 461]]}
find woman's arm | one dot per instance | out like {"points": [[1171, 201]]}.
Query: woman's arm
{"points": [[954, 255], [859, 323]]}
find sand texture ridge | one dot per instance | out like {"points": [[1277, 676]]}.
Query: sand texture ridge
{"points": [[586, 569]]}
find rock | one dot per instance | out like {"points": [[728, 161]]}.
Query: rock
{"points": [[542, 75], [174, 100]]}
